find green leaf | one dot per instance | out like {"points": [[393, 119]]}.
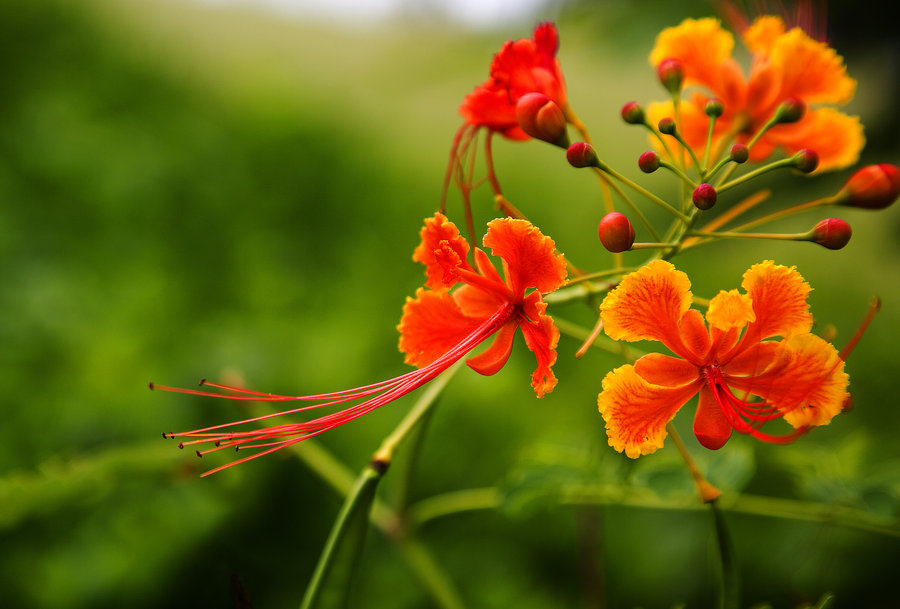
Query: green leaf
{"points": [[329, 587]]}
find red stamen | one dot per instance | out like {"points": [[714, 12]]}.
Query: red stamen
{"points": [[281, 436]]}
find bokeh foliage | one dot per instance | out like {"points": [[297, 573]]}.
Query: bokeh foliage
{"points": [[189, 193]]}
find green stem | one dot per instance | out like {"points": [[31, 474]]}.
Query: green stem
{"points": [[788, 162], [358, 498], [638, 188], [730, 590]]}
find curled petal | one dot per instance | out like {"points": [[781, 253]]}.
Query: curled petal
{"points": [[636, 412], [489, 106], [711, 426], [492, 359], [431, 325], [779, 301], [648, 305], [529, 257], [541, 336], [441, 249]]}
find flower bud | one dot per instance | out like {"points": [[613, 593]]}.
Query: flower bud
{"points": [[616, 232], [832, 233], [714, 108], [671, 74], [806, 160], [739, 153], [791, 110], [667, 125], [704, 196], [648, 162], [541, 118], [582, 154], [633, 113], [872, 187]]}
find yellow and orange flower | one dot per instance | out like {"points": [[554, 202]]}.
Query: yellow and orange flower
{"points": [[436, 319], [787, 64], [743, 378]]}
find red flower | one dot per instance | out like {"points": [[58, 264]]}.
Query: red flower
{"points": [[437, 329], [527, 65], [437, 319]]}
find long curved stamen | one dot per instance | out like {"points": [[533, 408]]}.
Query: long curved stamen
{"points": [[746, 417], [280, 436]]}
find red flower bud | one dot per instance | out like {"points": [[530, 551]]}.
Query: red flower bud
{"points": [[541, 118], [633, 113], [582, 154], [791, 110], [671, 74], [872, 187], [616, 233], [704, 196], [667, 125], [806, 160], [832, 233], [740, 153], [714, 108], [648, 162]]}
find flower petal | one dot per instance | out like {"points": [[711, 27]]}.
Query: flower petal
{"points": [[779, 301], [665, 370], [442, 249], [837, 138], [729, 310], [811, 70], [648, 305], [808, 383], [711, 426], [636, 412], [492, 359], [431, 325], [702, 45], [541, 336], [528, 256]]}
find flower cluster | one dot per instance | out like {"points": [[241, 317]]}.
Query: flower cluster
{"points": [[751, 357]]}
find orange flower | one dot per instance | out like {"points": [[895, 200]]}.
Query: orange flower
{"points": [[528, 65], [437, 319], [786, 65], [800, 378], [437, 329]]}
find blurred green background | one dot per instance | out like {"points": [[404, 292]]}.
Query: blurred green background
{"points": [[190, 192]]}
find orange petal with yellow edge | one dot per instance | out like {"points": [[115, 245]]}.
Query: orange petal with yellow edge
{"points": [[760, 37], [431, 325], [702, 45], [648, 305], [809, 386], [529, 256], [779, 301], [441, 247], [492, 359], [636, 412], [711, 426], [541, 336], [811, 70]]}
